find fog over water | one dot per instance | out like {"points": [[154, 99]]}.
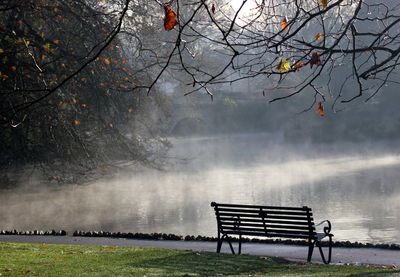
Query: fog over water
{"points": [[356, 186]]}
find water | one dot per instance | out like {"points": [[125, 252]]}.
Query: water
{"points": [[355, 186]]}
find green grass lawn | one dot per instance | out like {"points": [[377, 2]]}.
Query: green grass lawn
{"points": [[17, 259]]}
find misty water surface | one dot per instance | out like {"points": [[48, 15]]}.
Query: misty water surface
{"points": [[356, 186]]}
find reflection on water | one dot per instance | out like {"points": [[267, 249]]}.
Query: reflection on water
{"points": [[355, 186]]}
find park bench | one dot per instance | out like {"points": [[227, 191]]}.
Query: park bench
{"points": [[270, 222]]}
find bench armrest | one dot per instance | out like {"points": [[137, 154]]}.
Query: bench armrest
{"points": [[327, 229]]}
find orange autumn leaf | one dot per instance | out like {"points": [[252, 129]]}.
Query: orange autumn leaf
{"points": [[84, 105], [76, 122], [315, 59], [97, 59], [110, 125], [324, 3], [170, 18], [107, 61], [122, 86], [320, 109], [13, 68], [298, 65], [284, 24], [130, 110], [1, 50], [101, 1], [56, 41], [124, 62], [319, 36]]}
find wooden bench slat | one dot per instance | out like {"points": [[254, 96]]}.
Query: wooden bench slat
{"points": [[255, 220], [244, 224], [304, 208], [272, 235], [258, 212], [280, 231], [300, 218]]}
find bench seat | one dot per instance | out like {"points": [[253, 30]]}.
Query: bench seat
{"points": [[271, 222]]}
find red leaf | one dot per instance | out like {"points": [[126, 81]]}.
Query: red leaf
{"points": [[170, 18], [315, 59], [320, 109]]}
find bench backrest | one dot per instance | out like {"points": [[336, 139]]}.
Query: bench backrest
{"points": [[268, 221]]}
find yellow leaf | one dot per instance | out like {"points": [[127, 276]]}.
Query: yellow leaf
{"points": [[319, 36], [47, 47], [324, 3], [27, 42], [107, 61], [110, 125], [55, 10], [126, 79], [73, 101], [283, 65]]}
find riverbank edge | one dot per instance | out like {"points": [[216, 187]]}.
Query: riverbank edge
{"points": [[174, 237]]}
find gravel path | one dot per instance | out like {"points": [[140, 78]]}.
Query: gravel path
{"points": [[340, 255]]}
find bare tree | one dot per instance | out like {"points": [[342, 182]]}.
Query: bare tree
{"points": [[289, 46], [69, 94]]}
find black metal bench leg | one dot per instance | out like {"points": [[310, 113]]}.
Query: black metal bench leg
{"points": [[310, 250], [240, 244], [220, 241], [219, 244], [329, 253], [230, 244]]}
